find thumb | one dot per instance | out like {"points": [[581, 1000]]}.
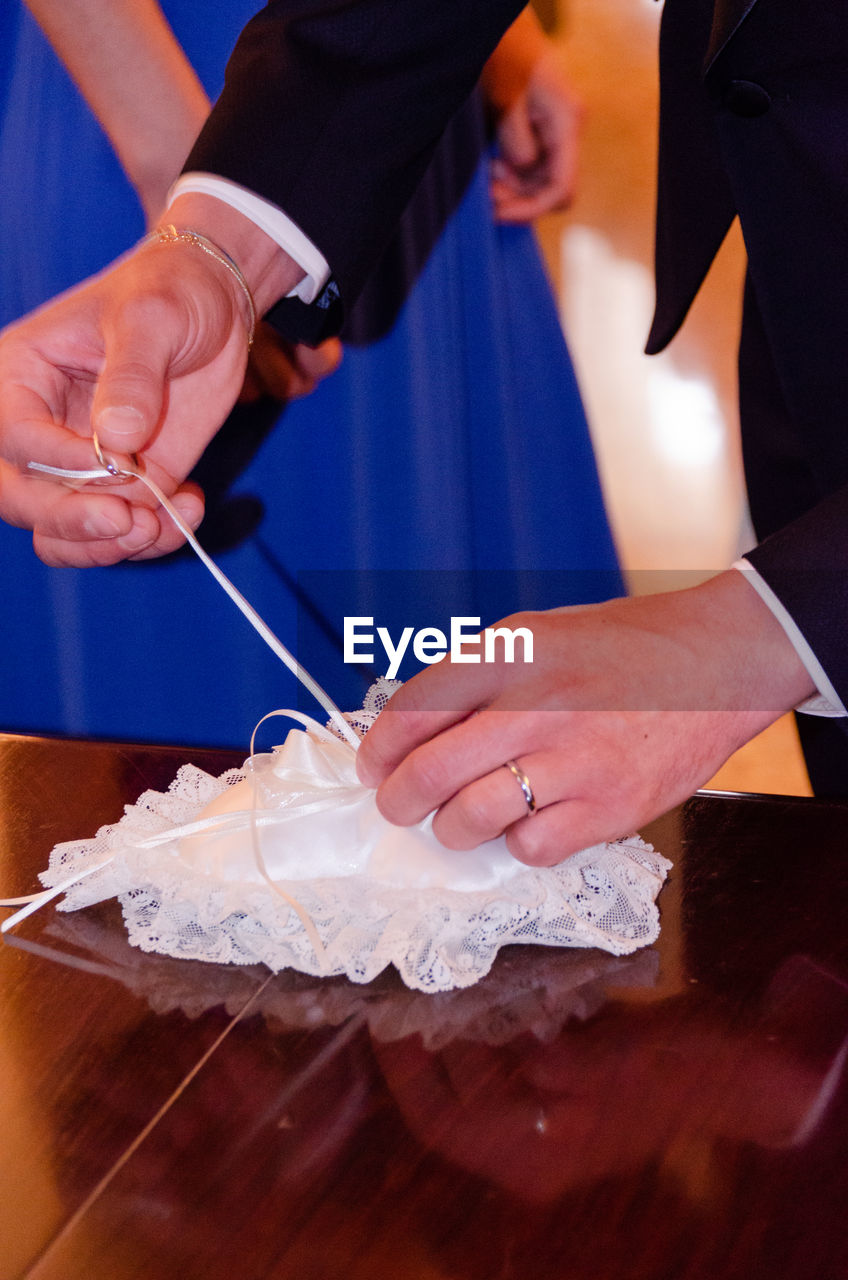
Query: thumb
{"points": [[130, 395]]}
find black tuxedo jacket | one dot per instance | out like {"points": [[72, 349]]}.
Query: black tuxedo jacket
{"points": [[332, 108], [754, 123]]}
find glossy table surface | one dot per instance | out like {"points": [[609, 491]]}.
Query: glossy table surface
{"points": [[682, 1112]]}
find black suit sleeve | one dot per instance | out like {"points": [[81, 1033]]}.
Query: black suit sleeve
{"points": [[331, 110], [754, 109]]}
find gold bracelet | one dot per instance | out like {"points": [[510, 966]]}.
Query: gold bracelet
{"points": [[170, 235]]}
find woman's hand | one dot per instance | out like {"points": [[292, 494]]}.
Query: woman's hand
{"points": [[537, 122]]}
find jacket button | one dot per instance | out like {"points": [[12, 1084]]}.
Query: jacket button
{"points": [[744, 98]]}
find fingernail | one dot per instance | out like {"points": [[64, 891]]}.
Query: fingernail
{"points": [[366, 776], [101, 526], [119, 420], [137, 539], [189, 513]]}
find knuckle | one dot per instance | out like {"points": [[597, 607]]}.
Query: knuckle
{"points": [[63, 555], [535, 845], [130, 370], [430, 777], [524, 618], [64, 522], [473, 809], [448, 834], [396, 807]]}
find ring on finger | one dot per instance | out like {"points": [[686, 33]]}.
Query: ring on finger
{"points": [[524, 783]]}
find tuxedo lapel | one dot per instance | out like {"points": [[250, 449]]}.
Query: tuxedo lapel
{"points": [[727, 16]]}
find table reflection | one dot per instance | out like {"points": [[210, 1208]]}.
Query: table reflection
{"points": [[676, 1114], [565, 1092]]}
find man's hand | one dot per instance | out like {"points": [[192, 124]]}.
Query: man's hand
{"points": [[538, 124], [151, 355], [627, 709]]}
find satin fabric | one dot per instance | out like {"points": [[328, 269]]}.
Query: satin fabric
{"points": [[302, 814], [445, 469]]}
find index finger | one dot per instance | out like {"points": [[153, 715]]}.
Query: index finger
{"points": [[31, 438], [443, 695]]}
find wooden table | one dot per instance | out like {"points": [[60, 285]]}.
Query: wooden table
{"points": [[679, 1113]]}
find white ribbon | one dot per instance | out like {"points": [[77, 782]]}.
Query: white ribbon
{"points": [[34, 901], [345, 728], [252, 818]]}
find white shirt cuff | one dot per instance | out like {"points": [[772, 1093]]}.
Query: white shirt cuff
{"points": [[270, 219], [827, 701]]}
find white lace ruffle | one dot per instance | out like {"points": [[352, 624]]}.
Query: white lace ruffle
{"points": [[437, 939], [235, 890]]}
